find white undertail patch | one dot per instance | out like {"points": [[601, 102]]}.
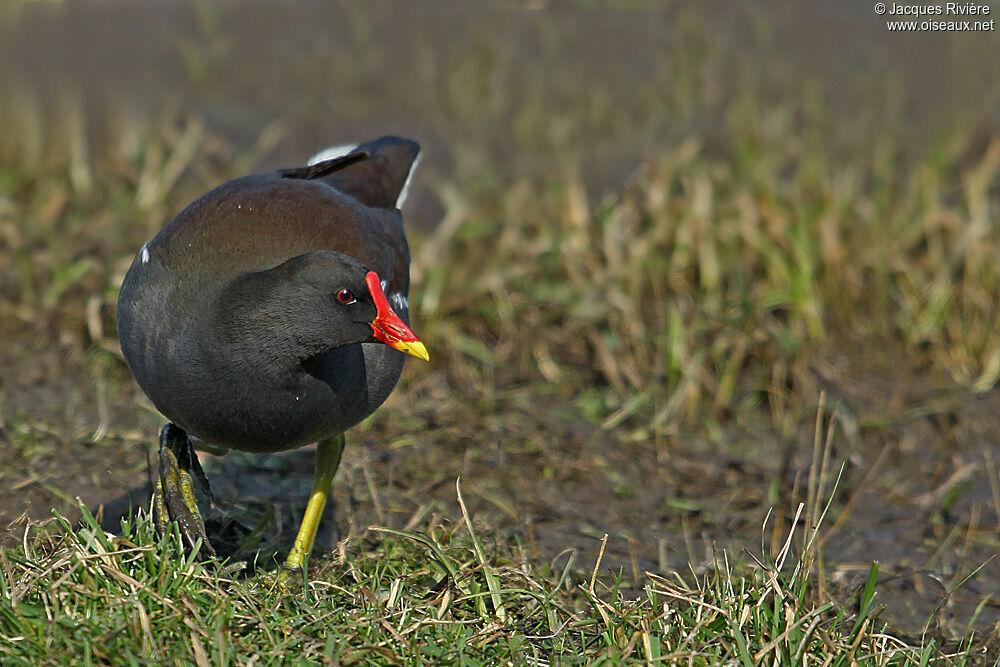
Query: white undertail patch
{"points": [[331, 152], [405, 192], [144, 253]]}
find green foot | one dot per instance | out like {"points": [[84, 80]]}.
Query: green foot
{"points": [[286, 580], [174, 498]]}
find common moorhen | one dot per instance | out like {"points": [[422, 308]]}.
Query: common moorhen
{"points": [[264, 317]]}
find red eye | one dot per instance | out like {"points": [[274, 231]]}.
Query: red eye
{"points": [[345, 296]]}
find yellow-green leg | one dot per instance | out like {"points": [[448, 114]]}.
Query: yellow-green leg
{"points": [[173, 498], [328, 454]]}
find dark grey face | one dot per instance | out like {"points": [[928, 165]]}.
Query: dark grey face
{"points": [[336, 282], [311, 303]]}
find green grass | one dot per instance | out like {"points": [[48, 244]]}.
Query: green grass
{"points": [[433, 596], [438, 594], [698, 295], [696, 311]]}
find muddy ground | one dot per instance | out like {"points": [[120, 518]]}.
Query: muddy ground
{"points": [[919, 490], [915, 495]]}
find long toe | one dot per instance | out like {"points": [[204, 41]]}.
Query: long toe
{"points": [[174, 499], [288, 580]]}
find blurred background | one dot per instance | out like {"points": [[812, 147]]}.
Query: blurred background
{"points": [[677, 266]]}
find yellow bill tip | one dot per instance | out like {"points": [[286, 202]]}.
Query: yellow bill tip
{"points": [[414, 348]]}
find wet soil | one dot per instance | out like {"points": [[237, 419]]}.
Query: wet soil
{"points": [[915, 494]]}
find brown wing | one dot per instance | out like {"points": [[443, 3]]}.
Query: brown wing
{"points": [[346, 204]]}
